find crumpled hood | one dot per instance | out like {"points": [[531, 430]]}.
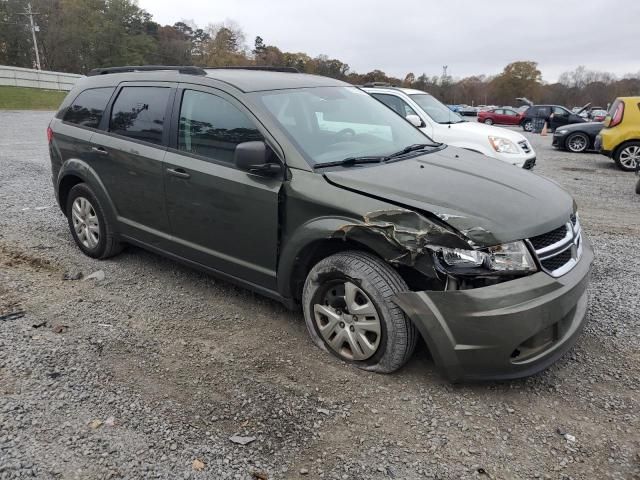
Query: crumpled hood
{"points": [[484, 199]]}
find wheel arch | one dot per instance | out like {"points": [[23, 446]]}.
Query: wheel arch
{"points": [[75, 171]]}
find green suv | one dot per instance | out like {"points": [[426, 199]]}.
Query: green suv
{"points": [[309, 191]]}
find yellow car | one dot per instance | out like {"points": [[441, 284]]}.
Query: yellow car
{"points": [[620, 137]]}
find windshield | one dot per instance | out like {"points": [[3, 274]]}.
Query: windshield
{"points": [[330, 124], [438, 112]]}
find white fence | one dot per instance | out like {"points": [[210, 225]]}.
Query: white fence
{"points": [[27, 77]]}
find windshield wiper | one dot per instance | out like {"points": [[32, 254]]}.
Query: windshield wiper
{"points": [[350, 161], [412, 148]]}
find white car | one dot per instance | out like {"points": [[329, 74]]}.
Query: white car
{"points": [[443, 125]]}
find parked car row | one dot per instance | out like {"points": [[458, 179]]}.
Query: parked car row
{"points": [[377, 233], [617, 136]]}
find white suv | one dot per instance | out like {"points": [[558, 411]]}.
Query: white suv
{"points": [[443, 125]]}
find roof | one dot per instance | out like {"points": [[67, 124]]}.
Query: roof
{"points": [[257, 80]]}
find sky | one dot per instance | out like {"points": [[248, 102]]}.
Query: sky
{"points": [[471, 37]]}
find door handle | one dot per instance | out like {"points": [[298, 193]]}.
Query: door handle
{"points": [[178, 172], [99, 150]]}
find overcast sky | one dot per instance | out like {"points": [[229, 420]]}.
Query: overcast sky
{"points": [[470, 36]]}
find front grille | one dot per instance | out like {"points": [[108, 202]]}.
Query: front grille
{"points": [[526, 148], [559, 250], [529, 164], [549, 238], [560, 260]]}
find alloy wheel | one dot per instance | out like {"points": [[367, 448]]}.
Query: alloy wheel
{"points": [[630, 156], [577, 143], [85, 222], [528, 126], [348, 321]]}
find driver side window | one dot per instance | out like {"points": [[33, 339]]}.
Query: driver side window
{"points": [[211, 127]]}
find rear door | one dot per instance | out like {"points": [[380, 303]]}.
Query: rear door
{"points": [[221, 217], [128, 156]]}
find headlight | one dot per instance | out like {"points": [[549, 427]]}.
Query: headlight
{"points": [[562, 132], [508, 257], [503, 145]]}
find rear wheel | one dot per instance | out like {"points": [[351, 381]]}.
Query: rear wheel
{"points": [[627, 156], [348, 310], [577, 142], [527, 126], [488, 121], [89, 225]]}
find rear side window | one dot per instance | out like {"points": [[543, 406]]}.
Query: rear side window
{"points": [[212, 127], [88, 107], [139, 113]]}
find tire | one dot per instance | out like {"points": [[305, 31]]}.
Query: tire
{"points": [[627, 156], [372, 284], [527, 126], [638, 187], [89, 225], [488, 121], [577, 142]]}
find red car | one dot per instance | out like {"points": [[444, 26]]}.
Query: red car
{"points": [[500, 116]]}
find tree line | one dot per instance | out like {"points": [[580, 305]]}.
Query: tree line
{"points": [[78, 35]]}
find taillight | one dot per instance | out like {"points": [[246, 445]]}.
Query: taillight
{"points": [[616, 118], [49, 134]]}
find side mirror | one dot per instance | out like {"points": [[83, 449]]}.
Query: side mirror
{"points": [[415, 120], [253, 157]]}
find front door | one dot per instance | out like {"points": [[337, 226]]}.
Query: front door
{"points": [[221, 217], [128, 158]]}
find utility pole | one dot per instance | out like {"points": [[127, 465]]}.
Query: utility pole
{"points": [[444, 73], [29, 13]]}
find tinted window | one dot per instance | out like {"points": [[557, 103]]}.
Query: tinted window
{"points": [[560, 111], [88, 107], [212, 127], [139, 112]]}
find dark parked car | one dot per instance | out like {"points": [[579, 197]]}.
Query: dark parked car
{"points": [[500, 116], [578, 137], [309, 191], [555, 116]]}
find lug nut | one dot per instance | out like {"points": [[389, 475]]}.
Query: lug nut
{"points": [[352, 328], [341, 324], [355, 318]]}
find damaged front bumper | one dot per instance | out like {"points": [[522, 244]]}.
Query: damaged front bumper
{"points": [[509, 330]]}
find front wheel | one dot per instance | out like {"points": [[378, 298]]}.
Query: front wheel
{"points": [[348, 310], [577, 142], [627, 157], [527, 126], [488, 121]]}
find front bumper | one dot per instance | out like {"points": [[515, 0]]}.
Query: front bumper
{"points": [[509, 330], [558, 140]]}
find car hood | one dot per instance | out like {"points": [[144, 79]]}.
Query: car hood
{"points": [[484, 199], [482, 129], [590, 127]]}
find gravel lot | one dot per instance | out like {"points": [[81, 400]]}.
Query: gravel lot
{"points": [[149, 372]]}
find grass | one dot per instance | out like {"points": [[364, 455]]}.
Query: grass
{"points": [[24, 98]]}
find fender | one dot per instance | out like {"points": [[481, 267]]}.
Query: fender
{"points": [[321, 229], [81, 169]]}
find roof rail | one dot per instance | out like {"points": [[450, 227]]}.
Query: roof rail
{"points": [[189, 70], [258, 67], [377, 84]]}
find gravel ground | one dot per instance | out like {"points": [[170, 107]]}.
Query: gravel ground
{"points": [[149, 372]]}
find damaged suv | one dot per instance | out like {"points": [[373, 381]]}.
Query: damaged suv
{"points": [[311, 192]]}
